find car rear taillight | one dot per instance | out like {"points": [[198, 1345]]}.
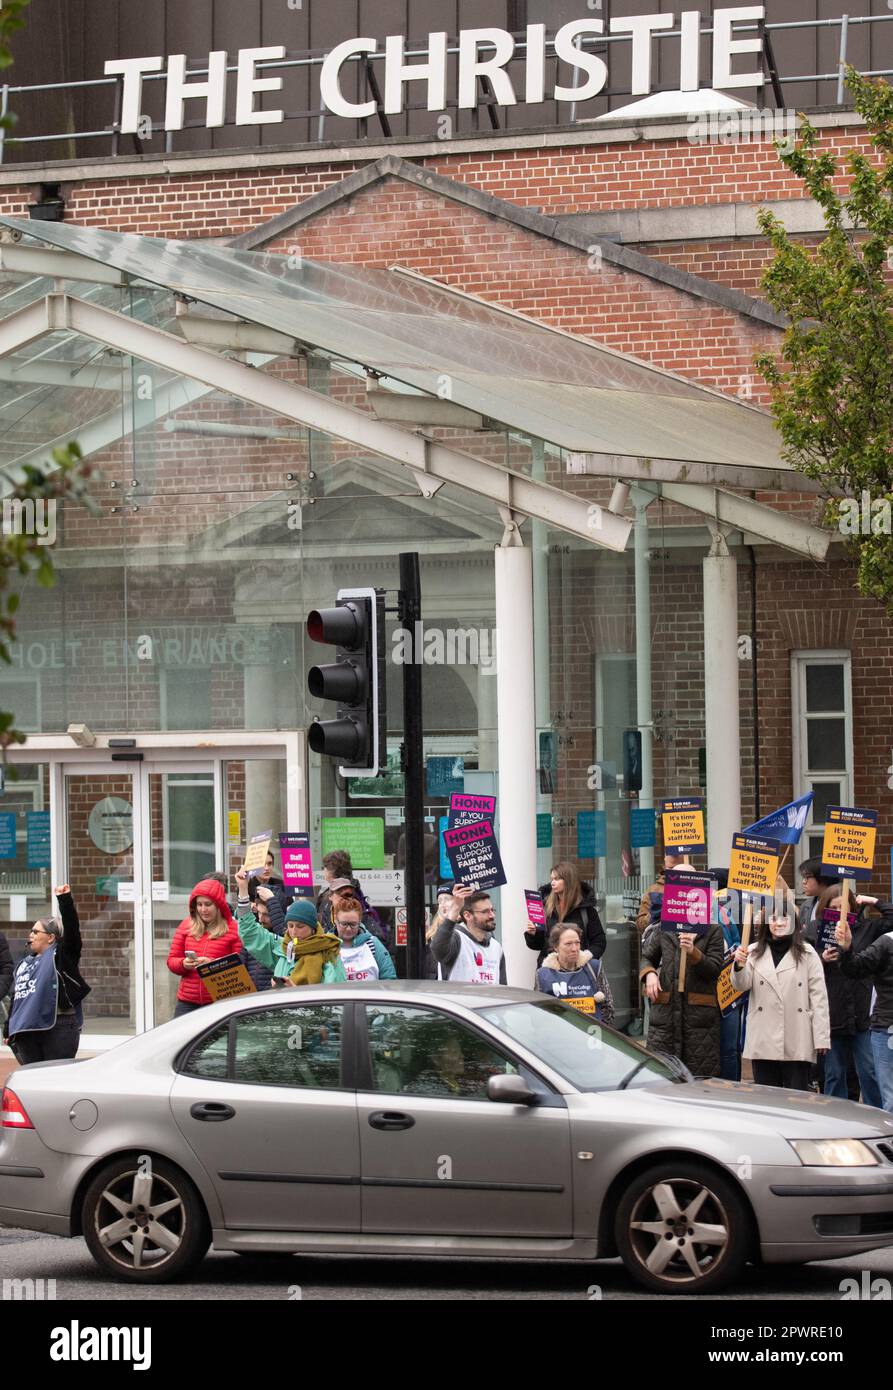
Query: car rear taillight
{"points": [[15, 1116]]}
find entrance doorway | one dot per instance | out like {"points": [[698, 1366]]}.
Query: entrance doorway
{"points": [[133, 837]]}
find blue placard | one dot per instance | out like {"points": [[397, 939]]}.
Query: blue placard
{"points": [[443, 776], [8, 835], [38, 823], [543, 830], [592, 834], [642, 827], [446, 869]]}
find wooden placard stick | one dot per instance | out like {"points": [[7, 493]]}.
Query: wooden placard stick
{"points": [[683, 955], [844, 901], [747, 924]]}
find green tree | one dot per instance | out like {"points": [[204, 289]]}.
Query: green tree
{"points": [[832, 383], [23, 551]]}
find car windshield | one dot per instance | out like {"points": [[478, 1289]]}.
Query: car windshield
{"points": [[590, 1056]]}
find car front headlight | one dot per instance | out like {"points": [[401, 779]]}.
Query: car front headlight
{"points": [[833, 1153]]}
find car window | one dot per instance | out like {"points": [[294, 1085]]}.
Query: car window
{"points": [[209, 1056], [297, 1046], [423, 1052]]}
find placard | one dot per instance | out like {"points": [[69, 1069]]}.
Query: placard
{"points": [[642, 827], [258, 849], [225, 978], [753, 866], [536, 908], [726, 994], [294, 851], [829, 923], [362, 837], [8, 835], [474, 855], [848, 844], [467, 809], [682, 823], [686, 901], [592, 834]]}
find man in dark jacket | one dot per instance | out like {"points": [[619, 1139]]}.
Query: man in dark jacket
{"points": [[814, 884], [849, 1004], [685, 1023], [268, 911], [584, 916], [875, 964], [45, 1019]]}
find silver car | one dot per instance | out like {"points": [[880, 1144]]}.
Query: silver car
{"points": [[433, 1119]]}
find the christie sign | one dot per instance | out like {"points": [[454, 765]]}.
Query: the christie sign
{"points": [[482, 53]]}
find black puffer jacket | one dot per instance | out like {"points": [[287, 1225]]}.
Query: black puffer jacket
{"points": [[685, 1024], [585, 916], [260, 975], [849, 1000], [876, 965]]}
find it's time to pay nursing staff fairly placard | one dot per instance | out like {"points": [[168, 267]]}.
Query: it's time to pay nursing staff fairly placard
{"points": [[848, 844], [682, 822]]}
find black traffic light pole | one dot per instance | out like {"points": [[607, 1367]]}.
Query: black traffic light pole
{"points": [[410, 613]]}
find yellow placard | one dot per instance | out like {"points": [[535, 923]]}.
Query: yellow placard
{"points": [[752, 871], [683, 827], [234, 825], [258, 850], [726, 994], [849, 846], [586, 1005], [227, 982]]}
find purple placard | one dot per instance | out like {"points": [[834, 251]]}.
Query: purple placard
{"points": [[536, 908], [474, 855], [686, 901], [830, 919], [467, 809], [294, 850]]}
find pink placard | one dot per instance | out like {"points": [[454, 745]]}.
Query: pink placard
{"points": [[297, 868], [536, 908]]}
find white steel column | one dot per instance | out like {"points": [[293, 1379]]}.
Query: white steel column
{"points": [[644, 716], [517, 748], [721, 721], [539, 546]]}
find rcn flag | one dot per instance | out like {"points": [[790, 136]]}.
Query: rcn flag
{"points": [[785, 825]]}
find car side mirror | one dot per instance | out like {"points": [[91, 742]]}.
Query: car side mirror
{"points": [[511, 1090]]}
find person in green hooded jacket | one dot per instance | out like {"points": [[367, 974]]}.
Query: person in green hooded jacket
{"points": [[303, 955]]}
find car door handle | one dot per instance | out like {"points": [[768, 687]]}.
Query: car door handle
{"points": [[212, 1110], [390, 1119]]}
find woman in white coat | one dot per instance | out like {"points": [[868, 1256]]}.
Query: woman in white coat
{"points": [[787, 1019]]}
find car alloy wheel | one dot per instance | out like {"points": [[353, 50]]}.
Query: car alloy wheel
{"points": [[683, 1229], [144, 1221]]}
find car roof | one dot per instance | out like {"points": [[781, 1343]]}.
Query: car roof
{"points": [[470, 996]]}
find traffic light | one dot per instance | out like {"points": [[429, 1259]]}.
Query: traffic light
{"points": [[355, 681]]}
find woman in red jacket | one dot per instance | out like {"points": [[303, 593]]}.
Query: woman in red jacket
{"points": [[208, 933]]}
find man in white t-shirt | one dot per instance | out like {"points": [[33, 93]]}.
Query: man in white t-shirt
{"points": [[463, 945]]}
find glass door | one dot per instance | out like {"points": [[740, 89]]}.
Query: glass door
{"points": [[102, 833], [181, 815]]}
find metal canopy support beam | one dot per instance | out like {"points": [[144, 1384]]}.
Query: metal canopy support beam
{"points": [[59, 265], [293, 402], [655, 470], [42, 371], [744, 515], [237, 336]]}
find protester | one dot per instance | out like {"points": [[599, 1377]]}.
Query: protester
{"points": [[46, 1018], [363, 956], [572, 974], [304, 955], [787, 1021], [270, 915], [338, 872], [814, 884], [685, 1022], [444, 898], [267, 879], [875, 963], [463, 945], [849, 1001], [208, 933], [567, 899], [732, 1024]]}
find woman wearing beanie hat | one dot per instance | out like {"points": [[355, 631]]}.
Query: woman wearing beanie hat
{"points": [[304, 955], [208, 933]]}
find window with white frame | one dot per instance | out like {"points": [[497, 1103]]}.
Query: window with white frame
{"points": [[822, 713]]}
